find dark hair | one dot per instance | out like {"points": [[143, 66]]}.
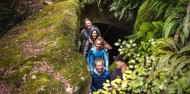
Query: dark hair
{"points": [[92, 32], [121, 57]]}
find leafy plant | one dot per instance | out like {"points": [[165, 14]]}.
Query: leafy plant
{"points": [[158, 64], [173, 14]]}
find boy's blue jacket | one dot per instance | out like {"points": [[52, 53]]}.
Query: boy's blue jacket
{"points": [[99, 79]]}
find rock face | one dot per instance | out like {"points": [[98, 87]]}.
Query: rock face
{"points": [[40, 56]]}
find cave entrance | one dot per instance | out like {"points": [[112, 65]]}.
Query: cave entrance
{"points": [[111, 34]]}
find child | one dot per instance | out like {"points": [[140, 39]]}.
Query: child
{"points": [[99, 75], [97, 52]]}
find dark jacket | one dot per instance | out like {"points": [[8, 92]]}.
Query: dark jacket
{"points": [[98, 80], [117, 73], [88, 46], [84, 37]]}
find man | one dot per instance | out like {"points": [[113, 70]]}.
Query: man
{"points": [[99, 75], [85, 34], [121, 63]]}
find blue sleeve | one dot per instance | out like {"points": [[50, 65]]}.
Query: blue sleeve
{"points": [[106, 59], [93, 88], [108, 77]]}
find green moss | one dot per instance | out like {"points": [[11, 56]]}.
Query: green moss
{"points": [[8, 56], [42, 83], [34, 83], [55, 30], [17, 76]]}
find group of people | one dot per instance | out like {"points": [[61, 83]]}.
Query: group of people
{"points": [[94, 49]]}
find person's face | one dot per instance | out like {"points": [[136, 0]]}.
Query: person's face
{"points": [[88, 24], [99, 66], [98, 44], [120, 64], [94, 34]]}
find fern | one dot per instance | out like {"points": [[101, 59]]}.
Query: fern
{"points": [[185, 50], [170, 44], [170, 27], [123, 8], [181, 65]]}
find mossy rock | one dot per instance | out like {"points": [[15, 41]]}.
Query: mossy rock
{"points": [[40, 56]]}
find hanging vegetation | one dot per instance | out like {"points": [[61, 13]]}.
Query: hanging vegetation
{"points": [[159, 52]]}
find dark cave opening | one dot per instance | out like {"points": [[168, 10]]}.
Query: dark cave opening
{"points": [[111, 34]]}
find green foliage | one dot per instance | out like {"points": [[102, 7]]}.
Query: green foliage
{"points": [[154, 67], [157, 64], [122, 8], [173, 14], [151, 30], [145, 14]]}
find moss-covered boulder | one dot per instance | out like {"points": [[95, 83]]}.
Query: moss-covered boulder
{"points": [[40, 56]]}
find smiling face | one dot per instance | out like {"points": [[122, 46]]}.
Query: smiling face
{"points": [[88, 24], [120, 64], [94, 34], [99, 65], [98, 44]]}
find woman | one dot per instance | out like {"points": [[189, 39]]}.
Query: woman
{"points": [[90, 42], [97, 52]]}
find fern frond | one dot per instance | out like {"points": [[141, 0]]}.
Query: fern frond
{"points": [[158, 24], [181, 65], [169, 11], [154, 74], [164, 59], [170, 43], [184, 50], [177, 62], [123, 12], [161, 9], [169, 28], [136, 4]]}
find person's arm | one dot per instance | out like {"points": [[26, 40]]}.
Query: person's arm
{"points": [[93, 88], [106, 59], [88, 57], [109, 76], [86, 48], [114, 74], [80, 40]]}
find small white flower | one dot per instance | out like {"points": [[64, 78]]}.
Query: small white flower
{"points": [[128, 45], [132, 61], [33, 77], [134, 44], [152, 43], [138, 55], [130, 41]]}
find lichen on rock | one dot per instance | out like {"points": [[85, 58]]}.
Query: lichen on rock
{"points": [[40, 56]]}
